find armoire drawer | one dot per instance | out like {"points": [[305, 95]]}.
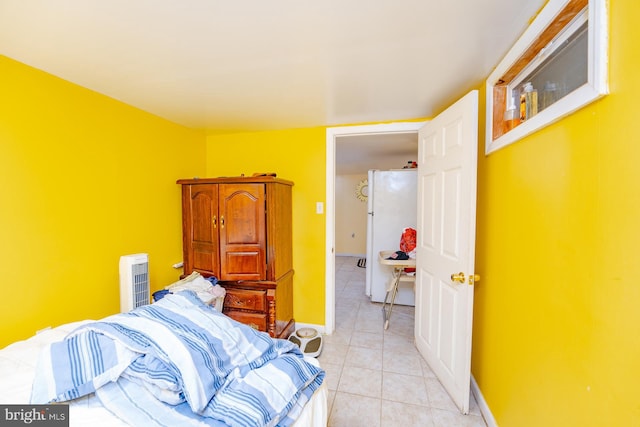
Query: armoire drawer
{"points": [[255, 320], [246, 299]]}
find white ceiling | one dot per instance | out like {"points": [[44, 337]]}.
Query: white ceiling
{"points": [[249, 65]]}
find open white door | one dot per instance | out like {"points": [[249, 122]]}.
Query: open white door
{"points": [[447, 153]]}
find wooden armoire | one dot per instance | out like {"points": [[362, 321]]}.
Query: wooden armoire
{"points": [[238, 229]]}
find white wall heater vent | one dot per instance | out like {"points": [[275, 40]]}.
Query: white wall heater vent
{"points": [[134, 281]]}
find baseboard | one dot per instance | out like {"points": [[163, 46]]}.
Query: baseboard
{"points": [[353, 255], [482, 404]]}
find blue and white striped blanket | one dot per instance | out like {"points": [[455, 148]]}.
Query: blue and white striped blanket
{"points": [[179, 362]]}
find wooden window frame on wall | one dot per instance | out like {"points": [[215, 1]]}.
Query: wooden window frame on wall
{"points": [[549, 24]]}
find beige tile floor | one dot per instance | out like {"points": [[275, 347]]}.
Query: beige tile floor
{"points": [[377, 378]]}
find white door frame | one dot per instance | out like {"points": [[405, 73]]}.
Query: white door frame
{"points": [[330, 211]]}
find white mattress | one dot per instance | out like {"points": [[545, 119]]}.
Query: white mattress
{"points": [[17, 365]]}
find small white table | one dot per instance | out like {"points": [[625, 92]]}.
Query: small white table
{"points": [[397, 275]]}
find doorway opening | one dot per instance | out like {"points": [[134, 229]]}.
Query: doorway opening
{"points": [[334, 135]]}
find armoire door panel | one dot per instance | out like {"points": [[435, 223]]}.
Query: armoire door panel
{"points": [[244, 265], [242, 231], [242, 213], [205, 258], [202, 228]]}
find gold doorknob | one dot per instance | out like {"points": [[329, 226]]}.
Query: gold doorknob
{"points": [[459, 277], [474, 278]]}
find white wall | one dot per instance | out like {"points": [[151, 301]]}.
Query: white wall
{"points": [[351, 217]]}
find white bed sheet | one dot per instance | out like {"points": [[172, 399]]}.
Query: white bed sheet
{"points": [[17, 367]]}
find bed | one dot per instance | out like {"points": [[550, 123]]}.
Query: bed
{"points": [[177, 361]]}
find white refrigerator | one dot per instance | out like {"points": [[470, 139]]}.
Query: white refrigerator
{"points": [[392, 206]]}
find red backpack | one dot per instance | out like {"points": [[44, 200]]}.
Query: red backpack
{"points": [[408, 240], [408, 244]]}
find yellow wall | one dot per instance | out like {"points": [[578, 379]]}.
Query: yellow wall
{"points": [[84, 179], [351, 216], [298, 155], [557, 313]]}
